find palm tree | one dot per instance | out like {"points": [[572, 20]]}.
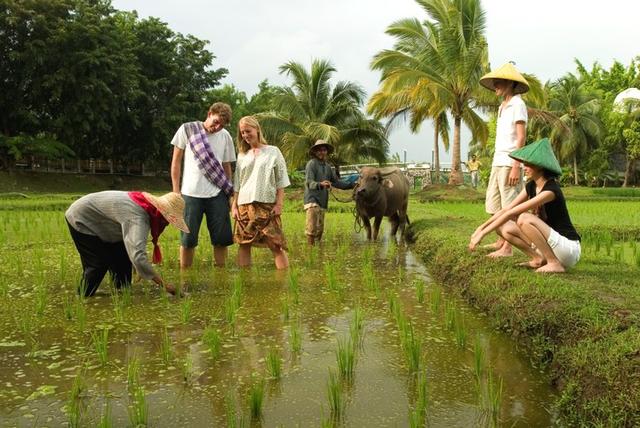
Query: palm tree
{"points": [[579, 127], [447, 55], [416, 103], [313, 109]]}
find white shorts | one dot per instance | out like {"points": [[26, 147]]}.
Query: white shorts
{"points": [[566, 250]]}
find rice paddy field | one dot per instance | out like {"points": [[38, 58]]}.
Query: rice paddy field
{"points": [[354, 334]]}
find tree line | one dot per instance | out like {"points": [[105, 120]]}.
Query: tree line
{"points": [[81, 79]]}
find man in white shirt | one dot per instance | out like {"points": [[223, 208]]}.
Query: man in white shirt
{"points": [[505, 181], [202, 196]]}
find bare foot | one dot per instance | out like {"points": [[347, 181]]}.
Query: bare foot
{"points": [[494, 246], [551, 268], [533, 263], [500, 253]]}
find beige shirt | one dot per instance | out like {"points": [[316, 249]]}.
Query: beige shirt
{"points": [[506, 139], [259, 173]]}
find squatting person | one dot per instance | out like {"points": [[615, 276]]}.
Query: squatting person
{"points": [[545, 234]]}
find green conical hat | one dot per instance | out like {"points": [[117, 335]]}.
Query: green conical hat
{"points": [[539, 154], [507, 72]]}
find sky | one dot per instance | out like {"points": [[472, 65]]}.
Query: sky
{"points": [[252, 38]]}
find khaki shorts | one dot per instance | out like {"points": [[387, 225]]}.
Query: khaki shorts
{"points": [[315, 221], [499, 193]]}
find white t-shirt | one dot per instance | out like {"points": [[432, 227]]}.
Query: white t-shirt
{"points": [[194, 183], [514, 111], [258, 176]]}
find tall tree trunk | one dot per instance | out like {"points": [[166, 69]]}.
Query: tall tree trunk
{"points": [[628, 172], [575, 170], [456, 173], [436, 152]]}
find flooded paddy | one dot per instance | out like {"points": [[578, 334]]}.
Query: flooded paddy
{"points": [[354, 334]]}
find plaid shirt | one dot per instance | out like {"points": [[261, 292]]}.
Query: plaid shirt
{"points": [[207, 161]]}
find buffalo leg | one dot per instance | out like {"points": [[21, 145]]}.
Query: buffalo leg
{"points": [[394, 220], [376, 227], [367, 226]]}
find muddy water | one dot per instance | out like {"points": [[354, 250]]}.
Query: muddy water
{"points": [[38, 369]]}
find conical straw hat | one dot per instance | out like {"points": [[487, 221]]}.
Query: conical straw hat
{"points": [[539, 154], [321, 143], [171, 206], [506, 72]]}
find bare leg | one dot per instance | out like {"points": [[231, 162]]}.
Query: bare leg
{"points": [[280, 258], [503, 250], [537, 231], [244, 255], [311, 240], [186, 257], [512, 233], [219, 255]]}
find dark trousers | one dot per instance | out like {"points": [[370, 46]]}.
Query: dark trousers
{"points": [[97, 258]]}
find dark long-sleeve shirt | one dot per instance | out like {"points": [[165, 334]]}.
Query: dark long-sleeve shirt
{"points": [[315, 172]]}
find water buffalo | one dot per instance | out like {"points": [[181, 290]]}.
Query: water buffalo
{"points": [[382, 192]]}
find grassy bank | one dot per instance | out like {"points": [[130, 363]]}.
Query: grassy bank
{"points": [[584, 325]]}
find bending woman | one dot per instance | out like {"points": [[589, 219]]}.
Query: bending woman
{"points": [[258, 185], [537, 221]]}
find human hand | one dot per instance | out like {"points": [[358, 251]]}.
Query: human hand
{"points": [[326, 184], [234, 211], [474, 242], [277, 209], [514, 176]]}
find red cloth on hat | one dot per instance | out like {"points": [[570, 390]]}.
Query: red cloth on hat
{"points": [[156, 220]]}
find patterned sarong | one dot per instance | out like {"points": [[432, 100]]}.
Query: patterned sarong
{"points": [[258, 226], [205, 158]]}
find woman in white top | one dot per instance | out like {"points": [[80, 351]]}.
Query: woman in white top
{"points": [[258, 185]]}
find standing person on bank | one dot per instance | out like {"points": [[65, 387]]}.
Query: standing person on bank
{"points": [[545, 234], [259, 182], [319, 177], [505, 181], [474, 166], [110, 231], [207, 150]]}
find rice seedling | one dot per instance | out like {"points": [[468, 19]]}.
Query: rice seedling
{"points": [[417, 416], [106, 420], [394, 306], [493, 399], [420, 285], [185, 309], [346, 358], [100, 342], [74, 407], [166, 346], [62, 267], [402, 274], [356, 329], [311, 256], [449, 315], [294, 285], [231, 411], [256, 399], [187, 369], [133, 372], [68, 307], [412, 347], [369, 277], [80, 313], [138, 408], [118, 306], [285, 308], [212, 340], [337, 402], [436, 299], [331, 277], [41, 298], [295, 336], [127, 296], [460, 332], [478, 360], [274, 364]]}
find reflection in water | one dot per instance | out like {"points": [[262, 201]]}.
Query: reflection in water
{"points": [[381, 394]]}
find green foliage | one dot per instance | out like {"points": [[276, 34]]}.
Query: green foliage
{"points": [[312, 108], [97, 79]]}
